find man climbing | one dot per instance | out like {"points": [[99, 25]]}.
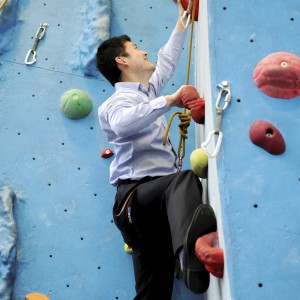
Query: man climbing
{"points": [[158, 209]]}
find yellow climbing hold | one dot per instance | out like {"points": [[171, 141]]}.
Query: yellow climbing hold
{"points": [[128, 249], [36, 296], [199, 163]]}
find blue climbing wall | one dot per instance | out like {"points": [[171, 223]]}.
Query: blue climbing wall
{"points": [[257, 196], [67, 244]]}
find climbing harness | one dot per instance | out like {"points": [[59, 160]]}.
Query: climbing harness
{"points": [[184, 117], [2, 4], [224, 90], [38, 36], [187, 15]]}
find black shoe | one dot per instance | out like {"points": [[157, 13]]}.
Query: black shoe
{"points": [[195, 276]]}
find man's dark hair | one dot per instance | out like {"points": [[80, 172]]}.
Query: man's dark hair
{"points": [[106, 54]]}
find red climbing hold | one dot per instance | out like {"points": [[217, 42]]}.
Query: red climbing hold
{"points": [[185, 4], [207, 251], [267, 136], [191, 100], [278, 75], [107, 153]]}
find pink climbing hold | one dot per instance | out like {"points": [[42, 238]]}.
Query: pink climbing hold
{"points": [[265, 135], [278, 75]]}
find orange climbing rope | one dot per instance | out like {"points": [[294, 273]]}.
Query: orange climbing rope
{"points": [[184, 117], [2, 4]]}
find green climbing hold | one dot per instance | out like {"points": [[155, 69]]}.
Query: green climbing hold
{"points": [[75, 104]]}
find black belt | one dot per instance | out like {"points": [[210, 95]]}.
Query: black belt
{"points": [[127, 203], [130, 181]]}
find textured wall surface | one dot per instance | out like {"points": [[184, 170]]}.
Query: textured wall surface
{"points": [[68, 246], [8, 246], [259, 192]]}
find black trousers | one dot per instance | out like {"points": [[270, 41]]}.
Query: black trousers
{"points": [[153, 222]]}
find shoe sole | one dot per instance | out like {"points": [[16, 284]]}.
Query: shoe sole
{"points": [[195, 276]]}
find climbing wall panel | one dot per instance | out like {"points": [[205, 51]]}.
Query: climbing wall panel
{"points": [[68, 246], [258, 192]]}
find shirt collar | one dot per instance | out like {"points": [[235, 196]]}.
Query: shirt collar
{"points": [[133, 86]]}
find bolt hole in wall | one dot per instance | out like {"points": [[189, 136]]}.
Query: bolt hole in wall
{"points": [[269, 132]]}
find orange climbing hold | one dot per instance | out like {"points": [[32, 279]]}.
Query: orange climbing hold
{"points": [[36, 296], [207, 251], [278, 75]]}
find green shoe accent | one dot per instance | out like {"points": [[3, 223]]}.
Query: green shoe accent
{"points": [[127, 249]]}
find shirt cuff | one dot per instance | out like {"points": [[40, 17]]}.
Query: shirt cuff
{"points": [[160, 103]]}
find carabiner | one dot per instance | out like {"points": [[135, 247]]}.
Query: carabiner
{"points": [[30, 62], [224, 88], [187, 14], [41, 31], [179, 165], [207, 141]]}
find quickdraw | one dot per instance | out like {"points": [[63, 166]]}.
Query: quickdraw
{"points": [[38, 36], [224, 90]]}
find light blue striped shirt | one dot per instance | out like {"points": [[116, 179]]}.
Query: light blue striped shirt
{"points": [[134, 122]]}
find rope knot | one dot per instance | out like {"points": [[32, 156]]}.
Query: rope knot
{"points": [[183, 130], [183, 126]]}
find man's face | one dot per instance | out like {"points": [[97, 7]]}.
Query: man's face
{"points": [[138, 59]]}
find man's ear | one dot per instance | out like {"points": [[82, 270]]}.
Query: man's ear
{"points": [[121, 60]]}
